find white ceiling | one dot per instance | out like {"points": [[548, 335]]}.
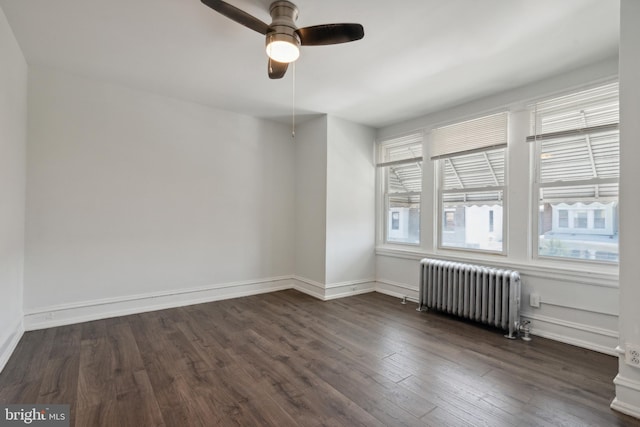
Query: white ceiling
{"points": [[417, 56]]}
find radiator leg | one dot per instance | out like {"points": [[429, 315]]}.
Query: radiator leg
{"points": [[514, 330], [406, 298], [512, 335]]}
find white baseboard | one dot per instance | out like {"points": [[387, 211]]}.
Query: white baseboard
{"points": [[52, 316], [347, 289], [580, 335], [9, 344], [625, 408], [390, 293], [627, 398], [572, 341], [577, 334], [309, 287], [395, 289], [47, 317], [333, 290], [585, 336]]}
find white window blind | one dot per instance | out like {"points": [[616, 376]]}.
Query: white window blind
{"points": [[592, 111], [469, 136]]}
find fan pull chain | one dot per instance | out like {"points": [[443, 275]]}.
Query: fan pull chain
{"points": [[293, 103]]}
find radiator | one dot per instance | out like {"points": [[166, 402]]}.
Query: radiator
{"points": [[479, 293]]}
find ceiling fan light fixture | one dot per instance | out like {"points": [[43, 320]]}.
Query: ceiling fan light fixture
{"points": [[283, 48], [283, 37]]}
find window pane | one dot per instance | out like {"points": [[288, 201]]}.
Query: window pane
{"points": [[395, 220], [472, 219], [405, 178], [580, 157], [579, 219], [563, 218], [450, 220], [402, 148], [592, 107], [399, 160], [484, 169], [599, 220], [491, 221], [579, 229], [403, 219], [472, 224]]}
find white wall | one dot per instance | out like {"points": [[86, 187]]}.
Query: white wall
{"points": [[350, 250], [335, 208], [13, 127], [132, 195], [628, 380], [311, 204], [579, 303]]}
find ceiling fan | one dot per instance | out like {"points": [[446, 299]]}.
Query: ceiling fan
{"points": [[283, 38]]}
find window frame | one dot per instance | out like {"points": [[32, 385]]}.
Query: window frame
{"points": [[383, 168], [440, 208], [481, 134], [535, 219], [536, 185]]}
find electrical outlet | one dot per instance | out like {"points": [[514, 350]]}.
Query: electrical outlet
{"points": [[534, 300], [632, 355]]}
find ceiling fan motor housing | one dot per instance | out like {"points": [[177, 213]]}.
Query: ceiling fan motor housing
{"points": [[283, 28]]}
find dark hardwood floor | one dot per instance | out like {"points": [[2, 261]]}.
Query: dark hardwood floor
{"points": [[286, 359]]}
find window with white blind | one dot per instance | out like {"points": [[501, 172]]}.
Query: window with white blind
{"points": [[577, 150], [400, 164], [472, 183]]}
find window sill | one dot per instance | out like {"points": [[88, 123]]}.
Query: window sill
{"points": [[601, 275]]}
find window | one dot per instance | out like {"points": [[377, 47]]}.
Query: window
{"points": [[400, 163], [563, 218], [577, 150], [395, 220], [580, 219], [599, 219], [471, 164]]}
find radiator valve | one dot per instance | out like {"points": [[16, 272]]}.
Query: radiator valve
{"points": [[525, 329]]}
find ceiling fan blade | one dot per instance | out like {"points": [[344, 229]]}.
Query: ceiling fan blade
{"points": [[330, 34], [238, 15], [277, 69]]}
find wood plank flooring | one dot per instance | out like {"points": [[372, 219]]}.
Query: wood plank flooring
{"points": [[286, 359]]}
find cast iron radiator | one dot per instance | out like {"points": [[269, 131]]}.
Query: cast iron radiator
{"points": [[475, 292]]}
